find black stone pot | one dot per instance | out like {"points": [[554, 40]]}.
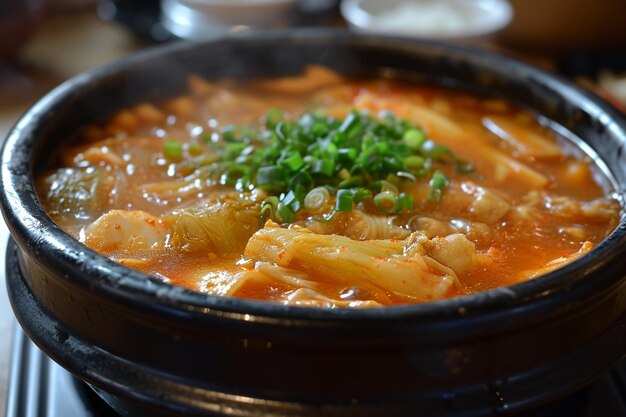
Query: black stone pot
{"points": [[152, 349]]}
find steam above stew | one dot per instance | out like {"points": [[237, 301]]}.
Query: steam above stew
{"points": [[322, 191]]}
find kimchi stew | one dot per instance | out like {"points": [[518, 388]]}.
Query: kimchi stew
{"points": [[319, 190]]}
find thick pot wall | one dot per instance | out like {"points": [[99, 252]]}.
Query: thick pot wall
{"points": [[160, 347], [397, 363]]}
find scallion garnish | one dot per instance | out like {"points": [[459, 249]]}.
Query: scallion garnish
{"points": [[434, 150], [317, 198], [172, 149], [194, 149], [361, 194], [438, 183], [323, 167], [272, 117], [284, 213], [404, 202], [414, 138], [291, 201], [386, 202], [355, 181], [413, 162], [301, 163], [270, 178], [268, 208], [293, 161], [345, 199]]}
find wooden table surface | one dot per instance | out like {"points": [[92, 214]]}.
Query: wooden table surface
{"points": [[61, 47]]}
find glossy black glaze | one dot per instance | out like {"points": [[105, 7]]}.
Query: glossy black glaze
{"points": [[39, 387], [148, 346]]}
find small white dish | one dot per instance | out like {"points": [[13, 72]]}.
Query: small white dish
{"points": [[438, 19], [201, 19]]}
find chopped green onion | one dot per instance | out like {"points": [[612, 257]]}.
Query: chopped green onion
{"points": [[355, 181], [228, 133], [267, 212], [309, 160], [331, 150], [344, 174], [271, 177], [235, 173], [438, 184], [234, 149], [319, 129], [383, 147], [284, 213], [414, 138], [350, 121], [386, 185], [404, 202], [268, 208], [291, 201], [272, 117], [280, 131], [386, 202], [301, 179], [300, 192], [324, 167], [293, 162], [346, 155], [361, 194], [434, 150], [413, 162], [194, 149], [243, 159], [345, 199], [172, 149], [317, 198]]}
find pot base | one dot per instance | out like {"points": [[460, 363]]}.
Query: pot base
{"points": [[133, 390], [38, 383]]}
